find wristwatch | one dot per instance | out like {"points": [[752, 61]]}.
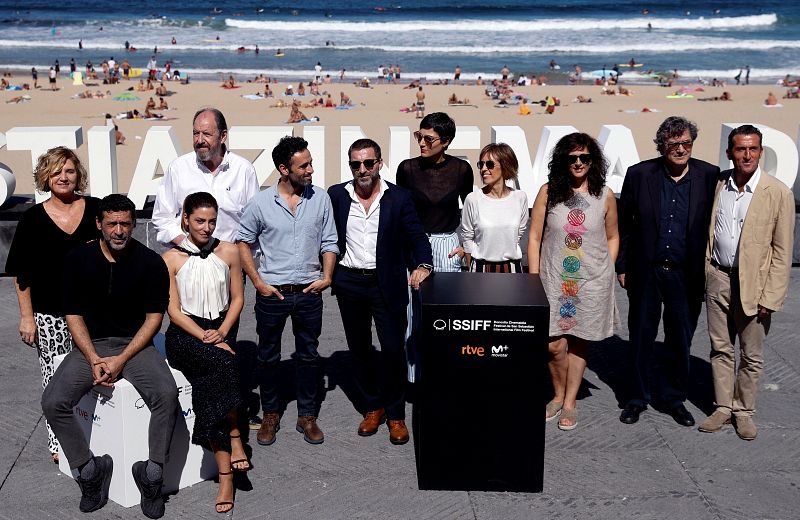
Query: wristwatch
{"points": [[427, 267]]}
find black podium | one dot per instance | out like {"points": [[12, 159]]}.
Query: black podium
{"points": [[483, 359]]}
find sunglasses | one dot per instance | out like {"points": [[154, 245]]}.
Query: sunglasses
{"points": [[489, 165], [676, 144], [584, 157], [368, 164], [429, 139]]}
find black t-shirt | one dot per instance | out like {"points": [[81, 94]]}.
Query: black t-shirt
{"points": [[435, 189], [113, 297], [37, 253]]}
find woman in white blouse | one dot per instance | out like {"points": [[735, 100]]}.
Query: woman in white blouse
{"points": [[204, 306], [494, 218]]}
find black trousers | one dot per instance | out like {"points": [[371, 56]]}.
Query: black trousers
{"points": [[380, 378], [661, 370]]}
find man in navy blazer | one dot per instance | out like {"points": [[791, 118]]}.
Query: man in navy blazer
{"points": [[665, 209], [380, 240]]}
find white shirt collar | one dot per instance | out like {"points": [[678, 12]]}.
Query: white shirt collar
{"points": [[750, 187], [352, 190]]}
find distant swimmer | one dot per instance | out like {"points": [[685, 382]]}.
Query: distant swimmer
{"points": [[216, 10], [80, 44], [127, 45], [241, 49], [645, 11], [649, 27], [174, 41], [279, 53], [256, 49], [259, 10], [632, 63], [295, 12]]}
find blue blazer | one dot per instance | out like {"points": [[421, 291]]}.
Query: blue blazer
{"points": [[402, 242]]}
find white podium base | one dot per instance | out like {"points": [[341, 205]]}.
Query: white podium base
{"points": [[115, 422]]}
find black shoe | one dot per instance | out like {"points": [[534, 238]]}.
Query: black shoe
{"points": [[631, 413], [94, 491], [152, 502], [681, 415]]}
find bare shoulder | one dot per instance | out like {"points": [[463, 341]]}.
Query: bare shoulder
{"points": [[541, 195], [227, 250], [173, 258]]}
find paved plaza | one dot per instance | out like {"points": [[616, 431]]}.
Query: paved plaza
{"points": [[604, 469]]}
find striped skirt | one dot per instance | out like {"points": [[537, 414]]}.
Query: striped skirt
{"points": [[485, 266], [441, 245]]}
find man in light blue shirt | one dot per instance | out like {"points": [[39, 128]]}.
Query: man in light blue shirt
{"points": [[293, 224]]}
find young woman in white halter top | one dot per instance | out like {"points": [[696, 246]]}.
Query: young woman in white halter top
{"points": [[204, 307]]}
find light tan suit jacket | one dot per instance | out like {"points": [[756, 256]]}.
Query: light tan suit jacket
{"points": [[765, 245]]}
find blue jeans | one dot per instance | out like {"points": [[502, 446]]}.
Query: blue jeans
{"points": [[305, 310]]}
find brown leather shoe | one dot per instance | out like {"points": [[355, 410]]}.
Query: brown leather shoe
{"points": [[307, 425], [715, 421], [270, 425], [398, 433], [745, 427], [369, 426]]}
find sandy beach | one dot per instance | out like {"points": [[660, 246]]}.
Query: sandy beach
{"points": [[378, 108]]}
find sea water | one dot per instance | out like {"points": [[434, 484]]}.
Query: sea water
{"points": [[426, 38]]}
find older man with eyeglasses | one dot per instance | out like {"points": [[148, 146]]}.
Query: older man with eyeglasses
{"points": [[380, 239], [665, 209]]}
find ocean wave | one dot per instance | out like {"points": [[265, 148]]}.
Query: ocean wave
{"points": [[498, 25], [548, 49], [247, 73]]}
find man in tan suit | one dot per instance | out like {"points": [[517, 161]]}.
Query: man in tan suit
{"points": [[745, 285]]}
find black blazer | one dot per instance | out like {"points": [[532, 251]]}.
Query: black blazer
{"points": [[639, 221], [402, 242]]}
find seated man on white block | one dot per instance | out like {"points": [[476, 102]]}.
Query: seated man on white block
{"points": [[114, 301]]}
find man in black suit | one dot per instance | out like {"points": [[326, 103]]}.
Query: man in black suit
{"points": [[665, 209], [380, 240]]}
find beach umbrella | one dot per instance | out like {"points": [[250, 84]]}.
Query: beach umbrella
{"points": [[126, 96]]}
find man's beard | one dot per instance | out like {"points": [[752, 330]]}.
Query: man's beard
{"points": [[206, 154], [367, 183]]}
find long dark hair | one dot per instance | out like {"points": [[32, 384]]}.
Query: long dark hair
{"points": [[559, 188]]}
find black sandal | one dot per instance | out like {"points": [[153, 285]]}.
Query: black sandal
{"points": [[237, 461], [225, 503]]}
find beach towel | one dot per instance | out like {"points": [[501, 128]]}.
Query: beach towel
{"points": [[126, 96], [254, 97], [773, 106], [77, 78]]}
